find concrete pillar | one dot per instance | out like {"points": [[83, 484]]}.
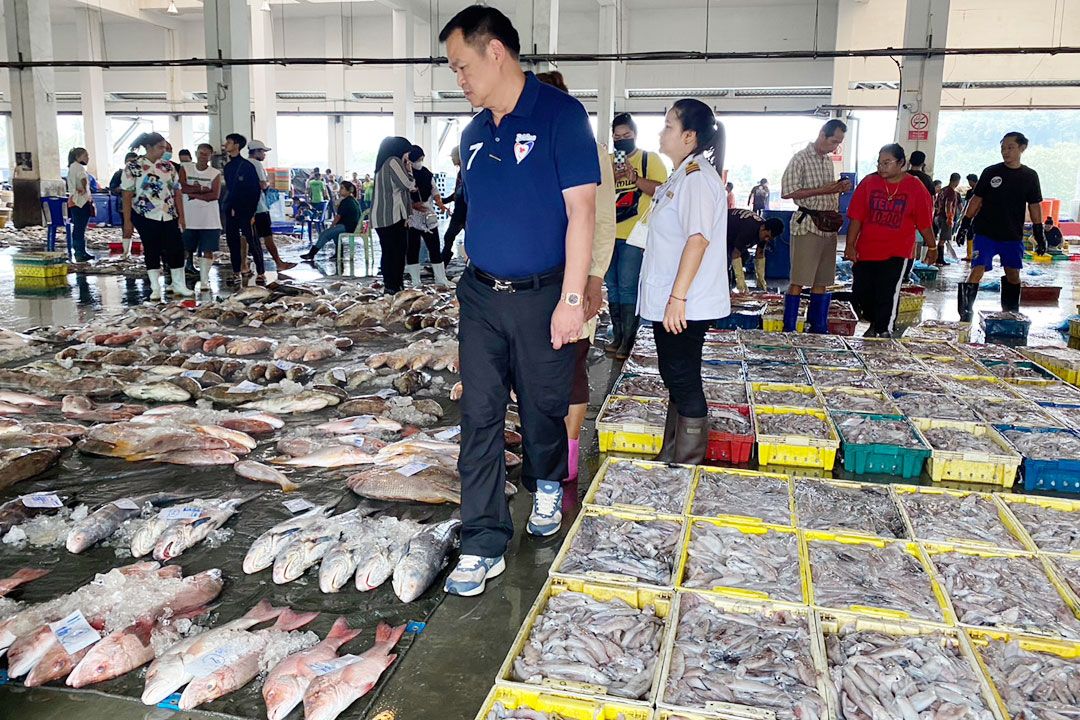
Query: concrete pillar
{"points": [[926, 25], [174, 93], [263, 92], [33, 109], [228, 88], [841, 86], [337, 143], [605, 97], [92, 87], [537, 24], [404, 77]]}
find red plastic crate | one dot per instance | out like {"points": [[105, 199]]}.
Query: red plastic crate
{"points": [[1040, 293], [842, 319], [729, 447], [914, 289]]}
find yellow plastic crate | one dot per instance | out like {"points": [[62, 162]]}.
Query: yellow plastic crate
{"points": [[911, 548], [626, 437], [1008, 500], [998, 470], [797, 450], [775, 323], [1014, 528], [910, 317], [590, 496], [738, 592], [1074, 327], [40, 264], [981, 637], [833, 623], [30, 283], [813, 398], [660, 600], [1064, 368], [564, 705], [733, 516], [731, 711], [911, 303]]}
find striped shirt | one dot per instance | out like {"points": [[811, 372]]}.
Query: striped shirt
{"points": [[390, 201], [805, 171]]}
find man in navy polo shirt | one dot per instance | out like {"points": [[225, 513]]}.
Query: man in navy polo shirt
{"points": [[530, 170]]}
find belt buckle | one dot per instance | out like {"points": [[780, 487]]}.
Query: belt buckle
{"points": [[504, 286]]}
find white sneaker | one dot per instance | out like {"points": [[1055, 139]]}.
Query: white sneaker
{"points": [[546, 517], [472, 573]]}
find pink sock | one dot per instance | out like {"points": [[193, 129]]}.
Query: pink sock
{"points": [[575, 448]]}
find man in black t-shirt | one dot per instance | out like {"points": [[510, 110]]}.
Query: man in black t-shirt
{"points": [[917, 168], [746, 230], [994, 220]]}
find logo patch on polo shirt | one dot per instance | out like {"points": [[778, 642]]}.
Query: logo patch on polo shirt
{"points": [[523, 145]]}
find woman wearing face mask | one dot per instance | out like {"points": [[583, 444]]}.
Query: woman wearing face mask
{"points": [[153, 205], [684, 284], [637, 175], [80, 204], [423, 223], [390, 207]]}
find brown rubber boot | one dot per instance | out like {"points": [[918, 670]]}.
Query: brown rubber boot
{"points": [[691, 440], [667, 452]]}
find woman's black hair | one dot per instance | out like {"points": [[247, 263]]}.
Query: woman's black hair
{"points": [[624, 119], [147, 140], [347, 184], [74, 153], [896, 151], [698, 117], [416, 153], [391, 146]]}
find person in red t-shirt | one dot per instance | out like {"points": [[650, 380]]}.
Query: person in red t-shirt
{"points": [[885, 211]]}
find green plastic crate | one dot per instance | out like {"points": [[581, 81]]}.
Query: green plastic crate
{"points": [[882, 459]]}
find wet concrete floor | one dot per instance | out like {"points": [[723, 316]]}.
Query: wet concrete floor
{"points": [[449, 670]]}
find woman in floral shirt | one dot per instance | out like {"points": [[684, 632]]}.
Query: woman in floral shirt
{"points": [[153, 205]]}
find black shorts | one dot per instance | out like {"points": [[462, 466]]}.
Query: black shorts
{"points": [[262, 225], [579, 389]]}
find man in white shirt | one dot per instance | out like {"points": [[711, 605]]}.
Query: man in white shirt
{"points": [[257, 154], [201, 184]]}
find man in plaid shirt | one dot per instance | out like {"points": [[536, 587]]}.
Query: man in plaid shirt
{"points": [[810, 180]]}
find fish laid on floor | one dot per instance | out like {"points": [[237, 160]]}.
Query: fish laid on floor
{"points": [[257, 472], [369, 555], [847, 575], [425, 556], [759, 660], [642, 549], [938, 406], [878, 676], [634, 412], [948, 518], [720, 493], [659, 487], [865, 509], [18, 578], [1034, 684], [727, 557], [956, 440], [1045, 445], [864, 430], [108, 518], [18, 464], [580, 639], [792, 424], [1010, 592], [1051, 529], [330, 694], [270, 543]]}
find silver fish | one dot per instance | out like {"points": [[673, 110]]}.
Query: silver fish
{"points": [[831, 358], [727, 557], [1034, 684], [309, 546], [948, 518], [865, 509], [642, 549], [762, 497], [660, 488], [1050, 445], [1069, 569], [580, 639], [977, 387], [266, 547], [907, 380], [1058, 393], [424, 558], [772, 353], [1015, 412], [147, 535], [955, 440], [883, 361], [188, 533], [375, 562], [1053, 530], [104, 521], [774, 372]]}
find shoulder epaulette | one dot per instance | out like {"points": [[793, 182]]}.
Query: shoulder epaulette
{"points": [[692, 168]]}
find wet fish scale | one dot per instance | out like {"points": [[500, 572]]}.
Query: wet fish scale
{"points": [[947, 518], [728, 557], [659, 488], [830, 507], [720, 493], [643, 549]]}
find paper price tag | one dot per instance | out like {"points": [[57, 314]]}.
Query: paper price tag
{"points": [[211, 662], [449, 433], [358, 441], [41, 500], [284, 365], [193, 374], [412, 468], [245, 387], [361, 422], [325, 668], [181, 513], [74, 633], [297, 505], [125, 504], [386, 393], [255, 324]]}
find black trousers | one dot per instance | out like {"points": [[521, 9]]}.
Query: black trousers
{"points": [[457, 224], [505, 341], [679, 358], [392, 241], [235, 228], [161, 241], [412, 246], [878, 289]]}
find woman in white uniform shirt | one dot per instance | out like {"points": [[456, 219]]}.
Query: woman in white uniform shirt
{"points": [[683, 288], [80, 204]]}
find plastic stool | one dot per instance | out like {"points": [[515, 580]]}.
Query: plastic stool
{"points": [[342, 239], [56, 217]]}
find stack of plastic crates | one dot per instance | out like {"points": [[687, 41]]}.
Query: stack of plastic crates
{"points": [[40, 272]]}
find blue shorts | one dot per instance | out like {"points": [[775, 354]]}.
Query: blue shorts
{"points": [[202, 241], [984, 249]]}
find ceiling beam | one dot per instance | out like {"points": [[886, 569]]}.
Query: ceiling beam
{"points": [[132, 10]]}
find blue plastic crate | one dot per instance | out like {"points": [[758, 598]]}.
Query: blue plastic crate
{"points": [[993, 327], [1058, 475], [741, 320]]}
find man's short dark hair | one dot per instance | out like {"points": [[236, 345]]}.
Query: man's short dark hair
{"points": [[208, 146], [237, 138], [624, 119], [972, 178], [1048, 221], [775, 226], [955, 177], [918, 158], [185, 151], [130, 156], [1019, 137], [830, 128], [479, 24]]}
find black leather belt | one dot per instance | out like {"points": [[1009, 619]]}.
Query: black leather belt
{"points": [[532, 282]]}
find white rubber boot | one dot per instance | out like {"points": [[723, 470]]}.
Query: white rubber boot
{"points": [[440, 274], [127, 247], [179, 282], [205, 264], [413, 271], [155, 284]]}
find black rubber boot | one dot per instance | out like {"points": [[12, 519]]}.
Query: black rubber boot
{"points": [[667, 452], [629, 333], [965, 299], [1010, 296], [691, 440], [615, 311]]}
